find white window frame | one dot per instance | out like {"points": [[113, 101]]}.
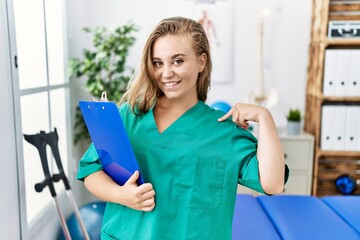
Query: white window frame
{"points": [[46, 224]]}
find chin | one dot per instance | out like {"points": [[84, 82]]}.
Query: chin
{"points": [[171, 96]]}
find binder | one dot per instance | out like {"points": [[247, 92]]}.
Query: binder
{"points": [[352, 128], [110, 139], [329, 81], [327, 127], [353, 88], [342, 72], [339, 127], [358, 129]]}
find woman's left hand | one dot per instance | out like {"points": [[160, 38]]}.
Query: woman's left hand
{"points": [[242, 113]]}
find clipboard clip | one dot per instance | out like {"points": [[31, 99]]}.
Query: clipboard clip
{"points": [[103, 98]]}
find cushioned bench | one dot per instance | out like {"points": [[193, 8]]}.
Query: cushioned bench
{"points": [[295, 217], [250, 221], [347, 207]]}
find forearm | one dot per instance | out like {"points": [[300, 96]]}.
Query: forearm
{"points": [[270, 155], [103, 187]]}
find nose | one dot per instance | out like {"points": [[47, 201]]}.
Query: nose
{"points": [[167, 71]]}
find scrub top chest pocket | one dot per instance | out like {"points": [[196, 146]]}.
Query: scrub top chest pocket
{"points": [[201, 181]]}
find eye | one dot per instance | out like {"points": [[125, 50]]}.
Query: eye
{"points": [[157, 64], [178, 61]]}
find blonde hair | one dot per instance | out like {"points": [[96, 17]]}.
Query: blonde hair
{"points": [[142, 92]]}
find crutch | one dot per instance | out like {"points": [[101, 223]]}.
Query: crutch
{"points": [[40, 143], [52, 140]]}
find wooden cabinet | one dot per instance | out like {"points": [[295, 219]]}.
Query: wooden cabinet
{"points": [[298, 151], [328, 165]]}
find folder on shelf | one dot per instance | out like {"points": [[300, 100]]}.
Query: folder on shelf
{"points": [[110, 139], [353, 88], [327, 127], [342, 72], [358, 129], [339, 127], [330, 67], [352, 128]]}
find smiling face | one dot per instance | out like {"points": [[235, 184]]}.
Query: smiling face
{"points": [[176, 67]]}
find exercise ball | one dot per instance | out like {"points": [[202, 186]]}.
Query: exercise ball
{"points": [[345, 184], [92, 215], [221, 105]]}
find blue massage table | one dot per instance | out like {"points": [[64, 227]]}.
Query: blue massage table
{"points": [[295, 217]]}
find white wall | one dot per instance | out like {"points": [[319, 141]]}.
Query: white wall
{"points": [[287, 35]]}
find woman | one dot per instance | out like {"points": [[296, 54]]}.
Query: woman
{"points": [[190, 156]]}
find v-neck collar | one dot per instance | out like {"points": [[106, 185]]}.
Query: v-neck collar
{"points": [[186, 116]]}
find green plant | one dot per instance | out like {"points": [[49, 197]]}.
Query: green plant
{"points": [[103, 67], [294, 114]]}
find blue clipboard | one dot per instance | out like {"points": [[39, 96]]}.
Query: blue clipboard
{"points": [[110, 139]]}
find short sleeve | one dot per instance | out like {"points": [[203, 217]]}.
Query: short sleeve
{"points": [[244, 146], [249, 175], [89, 163]]}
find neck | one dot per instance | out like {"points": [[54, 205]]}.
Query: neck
{"points": [[176, 104]]}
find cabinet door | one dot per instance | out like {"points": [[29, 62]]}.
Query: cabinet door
{"points": [[298, 151], [297, 154], [298, 184]]}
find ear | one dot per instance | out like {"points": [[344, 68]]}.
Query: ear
{"points": [[202, 62]]}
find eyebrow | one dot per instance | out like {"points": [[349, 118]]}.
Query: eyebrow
{"points": [[178, 55], [172, 57]]}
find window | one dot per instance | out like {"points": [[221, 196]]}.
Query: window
{"points": [[43, 91]]}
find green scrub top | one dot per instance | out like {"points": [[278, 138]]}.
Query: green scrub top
{"points": [[195, 166]]}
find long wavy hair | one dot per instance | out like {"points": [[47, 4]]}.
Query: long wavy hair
{"points": [[143, 91]]}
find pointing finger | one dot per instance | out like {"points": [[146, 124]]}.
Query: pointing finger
{"points": [[227, 115]]}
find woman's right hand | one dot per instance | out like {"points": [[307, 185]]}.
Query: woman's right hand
{"points": [[138, 197], [141, 197]]}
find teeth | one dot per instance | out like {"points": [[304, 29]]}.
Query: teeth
{"points": [[169, 84]]}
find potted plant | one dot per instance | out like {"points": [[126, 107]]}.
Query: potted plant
{"points": [[103, 67], [293, 121]]}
